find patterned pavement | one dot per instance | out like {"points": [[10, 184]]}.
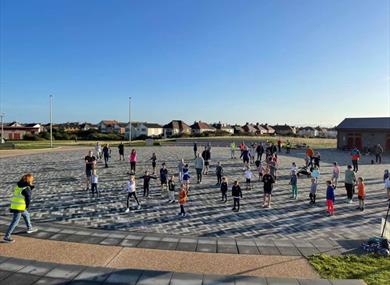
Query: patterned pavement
{"points": [[60, 198]]}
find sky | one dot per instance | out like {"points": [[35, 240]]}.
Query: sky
{"points": [[299, 62]]}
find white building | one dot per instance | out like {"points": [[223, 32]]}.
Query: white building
{"points": [[307, 132]]}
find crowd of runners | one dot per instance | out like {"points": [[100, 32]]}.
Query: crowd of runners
{"points": [[260, 162]]}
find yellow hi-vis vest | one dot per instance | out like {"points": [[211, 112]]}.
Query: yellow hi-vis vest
{"points": [[17, 201]]}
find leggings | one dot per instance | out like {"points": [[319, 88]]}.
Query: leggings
{"points": [[329, 203], [355, 165], [146, 190], [132, 166], [219, 178], [224, 196], [349, 188], [236, 203], [182, 211], [129, 196], [312, 198], [294, 190]]}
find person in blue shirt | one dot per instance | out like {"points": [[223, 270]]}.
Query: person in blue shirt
{"points": [[330, 198]]}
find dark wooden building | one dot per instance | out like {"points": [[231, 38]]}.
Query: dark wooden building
{"points": [[364, 133]]}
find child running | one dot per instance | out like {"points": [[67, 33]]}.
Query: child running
{"points": [[224, 189], [330, 198], [236, 194], [131, 192], [361, 193], [313, 191], [153, 159], [94, 183], [293, 183], [171, 188], [186, 176], [183, 199], [248, 176], [219, 172]]}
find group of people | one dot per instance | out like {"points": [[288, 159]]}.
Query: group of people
{"points": [[252, 154]]}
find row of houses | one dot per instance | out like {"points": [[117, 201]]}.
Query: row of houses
{"points": [[16, 131]]}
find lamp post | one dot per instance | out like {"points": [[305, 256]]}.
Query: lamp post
{"points": [[2, 127], [51, 120], [129, 121]]}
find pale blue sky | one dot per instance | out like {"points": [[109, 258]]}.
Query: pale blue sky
{"points": [[294, 61]]}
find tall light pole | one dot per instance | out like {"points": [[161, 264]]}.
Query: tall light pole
{"points": [[2, 128], [129, 121], [51, 120]]}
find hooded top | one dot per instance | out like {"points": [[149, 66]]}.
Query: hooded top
{"points": [[26, 193]]}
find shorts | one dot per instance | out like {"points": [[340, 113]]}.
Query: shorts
{"points": [[153, 164], [246, 160], [268, 191], [163, 182], [206, 163], [121, 153], [88, 172], [361, 198], [248, 180]]}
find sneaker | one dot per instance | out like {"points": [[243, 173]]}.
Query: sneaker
{"points": [[169, 201], [349, 201], [30, 231], [173, 201], [127, 210], [139, 207], [8, 240], [184, 215]]}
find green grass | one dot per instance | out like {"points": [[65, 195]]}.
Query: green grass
{"points": [[372, 269]]}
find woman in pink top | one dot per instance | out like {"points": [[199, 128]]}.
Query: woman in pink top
{"points": [[335, 174], [133, 160]]}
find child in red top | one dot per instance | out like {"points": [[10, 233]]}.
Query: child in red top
{"points": [[361, 193]]}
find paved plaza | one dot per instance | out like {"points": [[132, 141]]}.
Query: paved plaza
{"points": [[60, 197]]}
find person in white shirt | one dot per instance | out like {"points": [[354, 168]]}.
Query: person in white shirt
{"points": [[94, 183], [98, 150], [248, 176], [131, 192], [294, 168], [335, 174]]}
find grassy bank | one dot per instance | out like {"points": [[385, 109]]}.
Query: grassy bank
{"points": [[373, 270]]}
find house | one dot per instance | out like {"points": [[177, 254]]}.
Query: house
{"points": [[331, 133], [70, 127], [112, 126], [321, 132], [16, 131], [249, 129], [270, 130], [284, 130], [307, 132], [260, 130], [176, 128], [223, 128], [152, 130], [238, 130], [364, 133], [201, 127], [87, 126]]}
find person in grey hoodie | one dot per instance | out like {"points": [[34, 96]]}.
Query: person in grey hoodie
{"points": [[350, 179], [199, 165]]}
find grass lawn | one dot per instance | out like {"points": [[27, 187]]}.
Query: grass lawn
{"points": [[373, 270]]}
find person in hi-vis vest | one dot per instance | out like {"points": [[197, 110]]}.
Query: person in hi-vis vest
{"points": [[20, 202]]}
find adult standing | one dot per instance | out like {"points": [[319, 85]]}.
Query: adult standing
{"points": [[378, 153], [164, 179], [106, 154], [199, 165], [98, 150], [20, 203], [133, 160], [350, 179], [245, 155], [206, 157], [355, 156], [268, 182], [90, 162], [233, 150], [288, 146], [121, 149], [259, 151], [195, 149]]}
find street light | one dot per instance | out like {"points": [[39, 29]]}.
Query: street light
{"points": [[51, 120], [2, 128], [129, 121]]}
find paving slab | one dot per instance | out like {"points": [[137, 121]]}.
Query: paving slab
{"points": [[210, 248], [155, 278], [289, 251], [218, 280], [130, 242], [242, 249], [268, 250], [4, 274], [124, 276], [111, 241], [20, 279], [13, 264], [97, 274], [232, 249], [148, 244], [186, 279], [347, 282], [281, 281], [308, 251], [314, 282], [38, 268], [51, 281], [167, 245], [184, 246], [65, 271], [250, 280]]}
